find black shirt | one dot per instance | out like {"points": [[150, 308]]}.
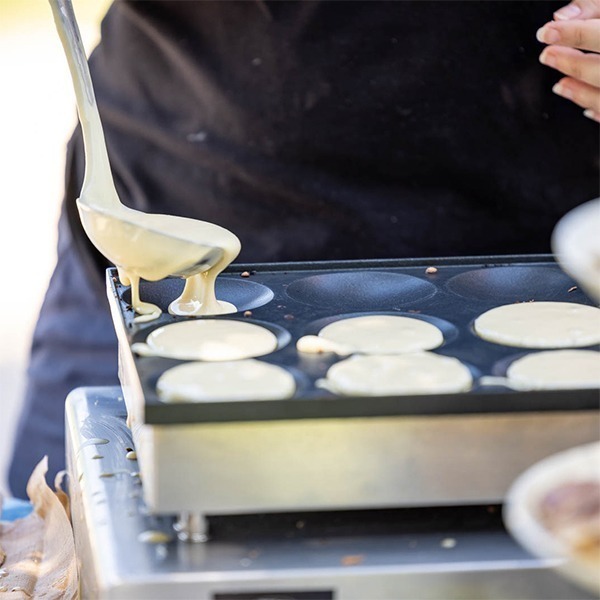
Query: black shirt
{"points": [[322, 130]]}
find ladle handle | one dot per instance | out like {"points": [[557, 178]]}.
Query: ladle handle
{"points": [[93, 136]]}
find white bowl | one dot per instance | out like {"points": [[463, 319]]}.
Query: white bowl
{"points": [[576, 245], [523, 501]]}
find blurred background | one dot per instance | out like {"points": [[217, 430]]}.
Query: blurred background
{"points": [[37, 115]]}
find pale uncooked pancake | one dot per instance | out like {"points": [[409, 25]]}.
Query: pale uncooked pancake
{"points": [[541, 325], [232, 380], [210, 340], [382, 334], [555, 370], [403, 374]]}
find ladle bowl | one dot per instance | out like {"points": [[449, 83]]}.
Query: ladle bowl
{"points": [[151, 253]]}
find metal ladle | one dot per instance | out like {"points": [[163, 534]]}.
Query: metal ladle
{"points": [[155, 246]]}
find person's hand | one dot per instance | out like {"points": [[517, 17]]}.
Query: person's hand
{"points": [[575, 27]]}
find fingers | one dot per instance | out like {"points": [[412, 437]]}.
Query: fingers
{"points": [[584, 35], [579, 9], [582, 94], [580, 66], [576, 27]]}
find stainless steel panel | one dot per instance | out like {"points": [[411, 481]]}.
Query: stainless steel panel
{"points": [[224, 468]]}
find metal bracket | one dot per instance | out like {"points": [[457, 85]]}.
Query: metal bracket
{"points": [[191, 527]]}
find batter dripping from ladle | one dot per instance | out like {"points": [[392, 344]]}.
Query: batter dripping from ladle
{"points": [[141, 245]]}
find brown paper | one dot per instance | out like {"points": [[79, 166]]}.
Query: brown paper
{"points": [[40, 557]]}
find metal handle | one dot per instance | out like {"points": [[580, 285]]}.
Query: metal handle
{"points": [[93, 136], [66, 25]]}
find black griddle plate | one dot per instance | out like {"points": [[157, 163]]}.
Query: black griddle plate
{"points": [[296, 299]]}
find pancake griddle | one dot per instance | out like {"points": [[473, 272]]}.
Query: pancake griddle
{"points": [[296, 299]]}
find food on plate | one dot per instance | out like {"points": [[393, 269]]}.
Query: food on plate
{"points": [[571, 511]]}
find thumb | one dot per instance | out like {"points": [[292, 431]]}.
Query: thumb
{"points": [[578, 9]]}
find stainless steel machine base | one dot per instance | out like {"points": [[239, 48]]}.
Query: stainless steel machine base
{"points": [[126, 553], [351, 463]]}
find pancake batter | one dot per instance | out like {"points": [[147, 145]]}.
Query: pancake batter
{"points": [[380, 375], [541, 325], [374, 334], [209, 340], [555, 370], [152, 247], [230, 380]]}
